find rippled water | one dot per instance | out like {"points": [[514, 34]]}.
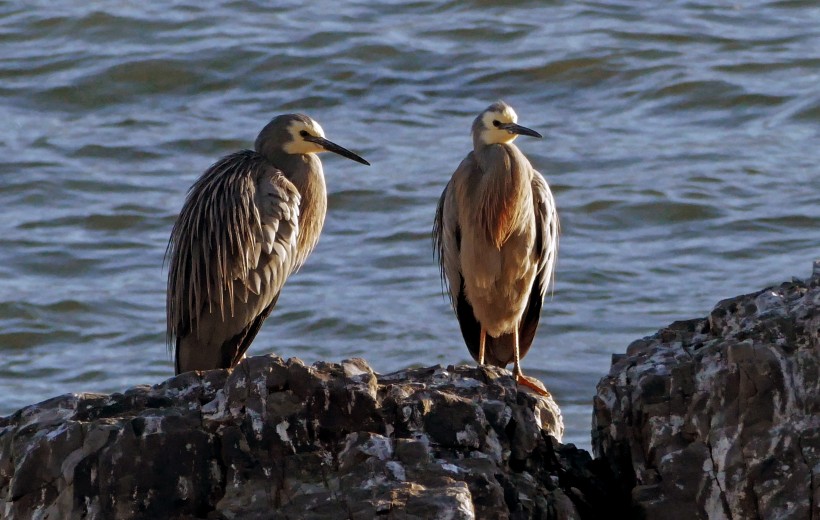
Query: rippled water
{"points": [[681, 142]]}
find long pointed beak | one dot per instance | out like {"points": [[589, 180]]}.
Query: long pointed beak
{"points": [[330, 146], [520, 130]]}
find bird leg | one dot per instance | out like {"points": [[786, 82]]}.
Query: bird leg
{"points": [[520, 378], [482, 338]]}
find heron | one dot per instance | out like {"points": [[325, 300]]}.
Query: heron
{"points": [[247, 223], [495, 236]]}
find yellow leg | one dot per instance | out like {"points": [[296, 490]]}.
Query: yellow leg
{"points": [[516, 356], [520, 378], [482, 338]]}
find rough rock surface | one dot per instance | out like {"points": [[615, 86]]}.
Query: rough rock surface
{"points": [[278, 439], [720, 417]]}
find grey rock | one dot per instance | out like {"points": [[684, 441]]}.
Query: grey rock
{"points": [[719, 417], [278, 439], [716, 417]]}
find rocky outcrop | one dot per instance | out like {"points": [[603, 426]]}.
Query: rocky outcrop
{"points": [[719, 417], [713, 418], [278, 439]]}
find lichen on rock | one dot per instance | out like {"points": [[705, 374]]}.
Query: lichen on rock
{"points": [[719, 417], [279, 439]]}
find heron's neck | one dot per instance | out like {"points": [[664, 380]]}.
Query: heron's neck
{"points": [[305, 172], [504, 190]]}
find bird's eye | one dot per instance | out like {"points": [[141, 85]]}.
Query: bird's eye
{"points": [[496, 123], [304, 133]]}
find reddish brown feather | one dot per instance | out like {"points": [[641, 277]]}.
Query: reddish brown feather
{"points": [[502, 210]]}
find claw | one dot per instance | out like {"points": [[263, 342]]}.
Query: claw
{"points": [[533, 384]]}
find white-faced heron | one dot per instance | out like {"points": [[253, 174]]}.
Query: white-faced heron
{"points": [[248, 222], [496, 237]]}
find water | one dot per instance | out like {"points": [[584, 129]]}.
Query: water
{"points": [[681, 142]]}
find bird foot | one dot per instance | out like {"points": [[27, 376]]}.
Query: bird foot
{"points": [[533, 384]]}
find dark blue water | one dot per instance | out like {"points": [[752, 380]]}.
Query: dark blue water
{"points": [[681, 142]]}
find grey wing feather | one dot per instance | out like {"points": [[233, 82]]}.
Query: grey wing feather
{"points": [[278, 203], [548, 228], [447, 234], [238, 227]]}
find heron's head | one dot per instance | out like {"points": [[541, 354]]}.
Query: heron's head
{"points": [[497, 124], [297, 134]]}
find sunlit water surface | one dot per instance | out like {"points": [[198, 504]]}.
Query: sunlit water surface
{"points": [[681, 142]]}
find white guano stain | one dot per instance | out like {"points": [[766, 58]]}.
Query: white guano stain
{"points": [[282, 431]]}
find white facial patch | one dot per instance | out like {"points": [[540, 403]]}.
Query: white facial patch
{"points": [[492, 135], [509, 114], [297, 144], [317, 129]]}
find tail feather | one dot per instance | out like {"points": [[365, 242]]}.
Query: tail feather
{"points": [[190, 354], [235, 348]]}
